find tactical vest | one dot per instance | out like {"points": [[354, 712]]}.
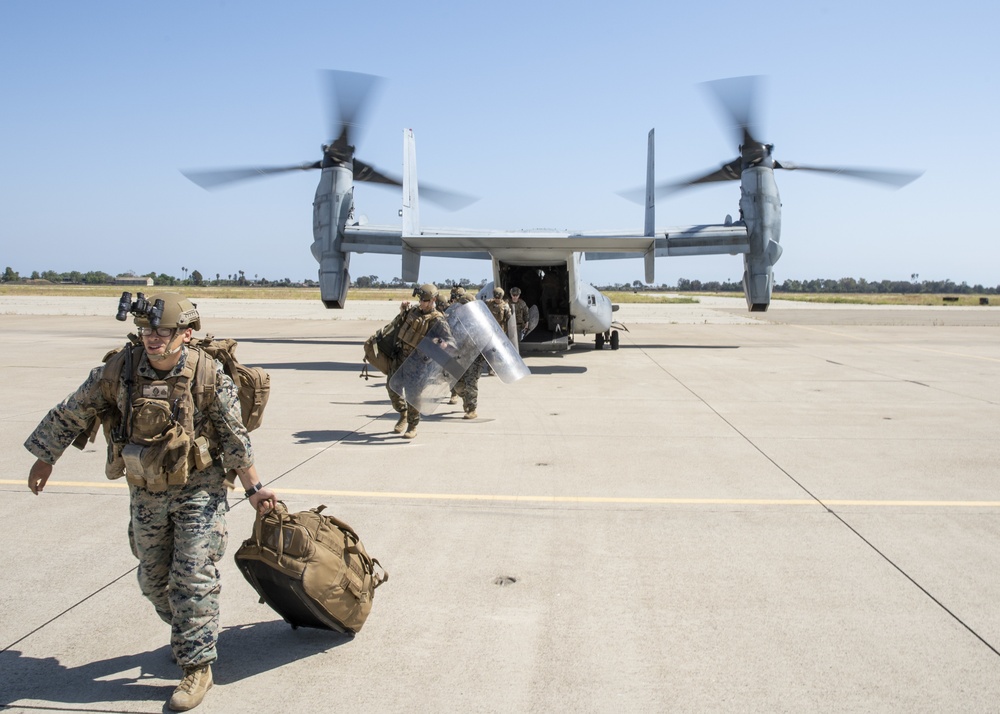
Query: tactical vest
{"points": [[414, 328], [520, 310], [500, 310], [161, 445]]}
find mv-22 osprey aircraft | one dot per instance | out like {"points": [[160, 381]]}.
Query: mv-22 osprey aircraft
{"points": [[546, 265]]}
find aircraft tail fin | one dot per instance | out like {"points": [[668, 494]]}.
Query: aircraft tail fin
{"points": [[411, 203], [650, 226], [411, 207]]}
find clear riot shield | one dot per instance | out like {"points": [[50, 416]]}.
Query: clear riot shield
{"points": [[426, 377], [511, 328], [476, 321], [532, 320]]}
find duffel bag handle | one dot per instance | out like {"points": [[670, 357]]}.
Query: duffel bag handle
{"points": [[280, 511]]}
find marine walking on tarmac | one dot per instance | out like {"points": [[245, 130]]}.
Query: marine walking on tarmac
{"points": [[173, 439], [501, 311], [468, 386], [411, 325], [499, 308]]}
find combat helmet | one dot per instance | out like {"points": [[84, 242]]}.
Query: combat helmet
{"points": [[427, 291], [498, 292], [178, 312], [514, 292]]}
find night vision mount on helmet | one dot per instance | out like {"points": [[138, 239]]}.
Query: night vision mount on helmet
{"points": [[151, 312], [161, 310]]}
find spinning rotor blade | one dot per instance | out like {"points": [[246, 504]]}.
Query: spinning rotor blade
{"points": [[891, 178], [450, 200], [446, 199], [348, 94], [737, 96], [364, 172], [727, 172], [222, 177]]}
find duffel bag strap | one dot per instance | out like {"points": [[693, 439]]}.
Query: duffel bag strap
{"points": [[337, 522]]}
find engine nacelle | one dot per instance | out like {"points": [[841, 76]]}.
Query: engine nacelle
{"points": [[760, 206], [334, 281], [758, 277], [331, 211]]}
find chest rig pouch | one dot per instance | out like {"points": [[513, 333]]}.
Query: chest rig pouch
{"points": [[161, 450], [414, 328]]}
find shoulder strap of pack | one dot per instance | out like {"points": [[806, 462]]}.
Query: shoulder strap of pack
{"points": [[114, 365], [202, 369]]}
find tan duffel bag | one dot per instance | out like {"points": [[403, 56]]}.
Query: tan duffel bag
{"points": [[311, 569]]}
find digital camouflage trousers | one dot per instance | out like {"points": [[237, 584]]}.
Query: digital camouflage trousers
{"points": [[179, 536], [467, 386], [398, 402]]}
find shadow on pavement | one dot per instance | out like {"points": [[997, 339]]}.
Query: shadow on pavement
{"points": [[245, 651], [312, 366]]}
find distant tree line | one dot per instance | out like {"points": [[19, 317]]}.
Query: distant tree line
{"points": [[192, 277], [821, 285], [239, 278]]}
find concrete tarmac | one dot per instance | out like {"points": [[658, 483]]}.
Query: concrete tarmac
{"points": [[789, 511]]}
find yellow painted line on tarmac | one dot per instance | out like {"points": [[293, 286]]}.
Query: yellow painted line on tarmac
{"points": [[509, 498]]}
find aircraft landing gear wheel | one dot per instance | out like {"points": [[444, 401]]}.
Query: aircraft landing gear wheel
{"points": [[599, 341], [614, 339]]}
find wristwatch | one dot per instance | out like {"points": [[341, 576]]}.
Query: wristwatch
{"points": [[253, 489]]}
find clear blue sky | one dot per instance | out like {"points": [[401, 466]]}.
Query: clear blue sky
{"points": [[540, 108]]}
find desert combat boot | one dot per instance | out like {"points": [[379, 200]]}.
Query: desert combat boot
{"points": [[401, 424], [191, 690]]}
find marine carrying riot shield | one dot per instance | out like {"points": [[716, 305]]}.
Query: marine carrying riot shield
{"points": [[426, 377]]}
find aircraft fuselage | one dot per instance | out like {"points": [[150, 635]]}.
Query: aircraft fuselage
{"points": [[551, 281]]}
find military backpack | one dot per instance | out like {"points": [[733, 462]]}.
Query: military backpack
{"points": [[380, 348]]}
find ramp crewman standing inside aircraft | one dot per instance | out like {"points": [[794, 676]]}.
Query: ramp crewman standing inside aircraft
{"points": [[520, 310], [414, 324], [174, 450]]}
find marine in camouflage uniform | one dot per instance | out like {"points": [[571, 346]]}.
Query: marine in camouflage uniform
{"points": [[501, 311], [467, 386], [414, 323], [520, 310], [177, 532]]}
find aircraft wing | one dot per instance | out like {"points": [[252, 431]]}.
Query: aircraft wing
{"points": [[473, 243], [543, 246], [689, 240], [598, 245]]}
